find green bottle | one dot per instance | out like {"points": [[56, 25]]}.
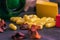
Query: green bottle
{"points": [[13, 8]]}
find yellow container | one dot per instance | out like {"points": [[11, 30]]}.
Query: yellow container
{"points": [[46, 9]]}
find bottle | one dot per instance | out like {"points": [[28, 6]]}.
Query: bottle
{"points": [[11, 8], [14, 7]]}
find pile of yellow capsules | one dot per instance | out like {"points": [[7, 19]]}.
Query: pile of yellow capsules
{"points": [[47, 22]]}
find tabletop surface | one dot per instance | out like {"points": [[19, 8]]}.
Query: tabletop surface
{"points": [[47, 34]]}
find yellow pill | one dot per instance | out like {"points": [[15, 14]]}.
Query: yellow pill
{"points": [[12, 26], [13, 19], [50, 25], [19, 22]]}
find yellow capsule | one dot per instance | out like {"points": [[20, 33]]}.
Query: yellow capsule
{"points": [[49, 19], [30, 16], [18, 18], [50, 25], [26, 17], [19, 21], [12, 26], [43, 20], [13, 19]]}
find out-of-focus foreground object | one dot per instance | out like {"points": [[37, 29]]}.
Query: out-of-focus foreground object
{"points": [[58, 20], [2, 25]]}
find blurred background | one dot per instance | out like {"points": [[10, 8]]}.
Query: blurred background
{"points": [[57, 1], [4, 10]]}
